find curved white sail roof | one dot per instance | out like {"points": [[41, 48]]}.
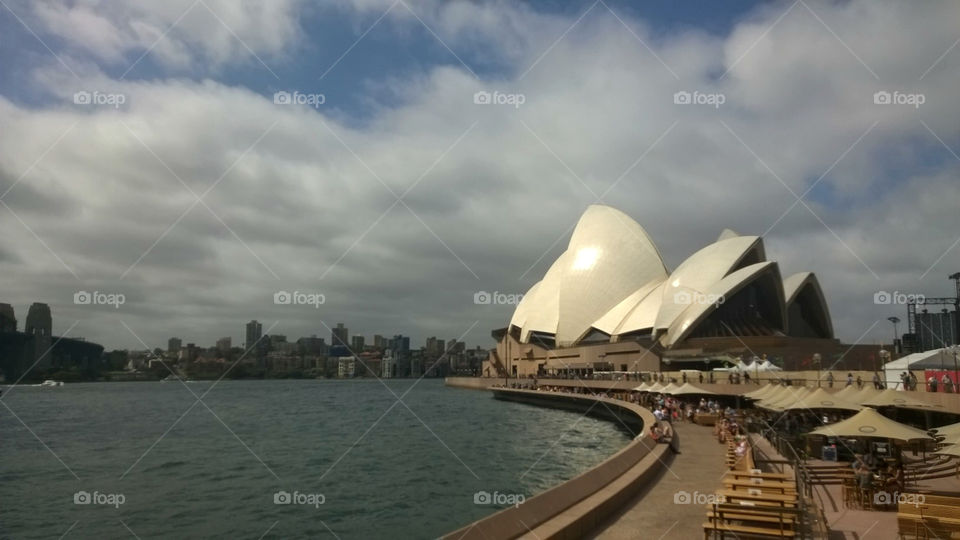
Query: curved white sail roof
{"points": [[610, 257], [543, 310], [794, 285], [611, 278], [703, 269], [610, 322], [727, 233], [726, 288], [523, 308]]}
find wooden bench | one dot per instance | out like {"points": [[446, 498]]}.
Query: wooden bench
{"points": [[774, 486], [782, 499], [924, 520], [765, 475], [764, 521]]}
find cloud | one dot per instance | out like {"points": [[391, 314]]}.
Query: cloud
{"points": [[178, 34], [309, 198]]}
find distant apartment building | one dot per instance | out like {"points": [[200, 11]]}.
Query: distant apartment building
{"points": [[253, 334], [380, 342], [340, 336], [347, 367], [388, 366], [369, 364], [174, 345], [312, 345], [356, 343]]}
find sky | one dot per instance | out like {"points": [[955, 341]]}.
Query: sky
{"points": [[146, 155]]}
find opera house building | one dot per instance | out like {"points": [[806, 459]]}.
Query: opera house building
{"points": [[609, 303]]}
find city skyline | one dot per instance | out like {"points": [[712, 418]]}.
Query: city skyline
{"points": [[392, 182]]}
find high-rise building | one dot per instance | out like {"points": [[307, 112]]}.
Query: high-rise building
{"points": [[253, 334], [8, 322], [224, 344], [341, 336], [400, 347], [174, 345], [39, 324], [312, 345], [356, 343], [380, 342]]}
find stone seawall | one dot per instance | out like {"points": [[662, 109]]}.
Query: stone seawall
{"points": [[577, 507]]}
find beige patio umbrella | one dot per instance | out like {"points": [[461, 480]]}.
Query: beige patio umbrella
{"points": [[952, 450], [774, 395], [952, 440], [952, 430], [655, 387], [642, 388], [790, 397], [689, 389], [821, 399], [847, 393], [670, 388], [762, 392], [864, 394], [869, 423], [893, 398]]}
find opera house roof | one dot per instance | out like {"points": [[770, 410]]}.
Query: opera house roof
{"points": [[612, 284]]}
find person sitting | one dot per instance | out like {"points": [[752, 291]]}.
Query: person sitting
{"points": [[666, 431], [656, 434], [894, 482]]}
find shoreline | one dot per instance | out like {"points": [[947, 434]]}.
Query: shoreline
{"points": [[578, 507]]}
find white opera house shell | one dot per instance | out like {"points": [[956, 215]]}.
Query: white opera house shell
{"points": [[611, 285]]}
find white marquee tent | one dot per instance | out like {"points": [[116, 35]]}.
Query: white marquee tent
{"points": [[933, 358]]}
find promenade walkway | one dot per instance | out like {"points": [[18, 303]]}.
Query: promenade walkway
{"points": [[654, 514]]}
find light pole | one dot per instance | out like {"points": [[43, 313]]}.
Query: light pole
{"points": [[884, 357], [816, 361], [895, 321], [954, 349]]}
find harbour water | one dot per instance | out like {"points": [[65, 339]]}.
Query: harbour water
{"points": [[278, 459]]}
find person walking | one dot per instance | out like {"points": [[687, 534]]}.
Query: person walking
{"points": [[830, 379], [849, 378]]}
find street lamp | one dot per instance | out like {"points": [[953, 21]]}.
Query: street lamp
{"points": [[954, 349], [884, 357], [816, 361], [895, 321]]}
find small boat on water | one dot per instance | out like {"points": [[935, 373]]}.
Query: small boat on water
{"points": [[170, 377], [51, 382]]}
